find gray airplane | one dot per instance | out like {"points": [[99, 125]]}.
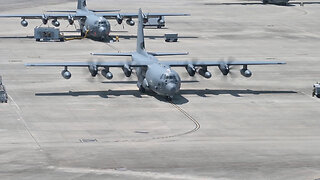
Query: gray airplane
{"points": [[276, 2], [93, 23], [152, 74]]}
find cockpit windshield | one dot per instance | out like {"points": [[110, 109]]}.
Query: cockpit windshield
{"points": [[102, 23], [169, 77]]}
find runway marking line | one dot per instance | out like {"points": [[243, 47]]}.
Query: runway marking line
{"points": [[20, 118]]}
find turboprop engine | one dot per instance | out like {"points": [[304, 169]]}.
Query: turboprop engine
{"points": [[127, 70], [119, 19], [191, 70], [70, 20], [93, 70]]}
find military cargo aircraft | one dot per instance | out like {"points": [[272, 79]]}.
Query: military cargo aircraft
{"points": [[93, 23], [276, 2], [153, 74]]}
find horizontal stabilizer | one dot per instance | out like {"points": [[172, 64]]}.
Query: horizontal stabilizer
{"points": [[167, 54], [111, 54]]}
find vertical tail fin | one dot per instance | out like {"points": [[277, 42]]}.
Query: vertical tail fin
{"points": [[140, 34], [82, 4]]}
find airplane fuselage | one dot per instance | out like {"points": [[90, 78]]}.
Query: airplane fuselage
{"points": [[94, 26], [157, 77]]}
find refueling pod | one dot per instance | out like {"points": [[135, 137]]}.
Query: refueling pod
{"points": [[56, 23], [130, 22], [24, 23], [205, 73], [245, 71], [66, 74], [106, 73]]}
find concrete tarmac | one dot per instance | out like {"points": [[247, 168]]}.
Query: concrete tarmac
{"points": [[224, 128]]}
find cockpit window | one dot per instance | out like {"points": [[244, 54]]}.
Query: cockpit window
{"points": [[169, 77], [102, 23]]}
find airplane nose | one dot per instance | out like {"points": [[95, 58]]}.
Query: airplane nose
{"points": [[102, 30], [171, 88]]}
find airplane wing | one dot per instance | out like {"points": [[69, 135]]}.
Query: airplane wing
{"points": [[87, 64], [234, 3], [41, 16], [304, 2], [135, 15], [130, 54], [218, 63]]}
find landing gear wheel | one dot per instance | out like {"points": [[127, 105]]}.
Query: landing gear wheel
{"points": [[142, 89], [169, 98]]}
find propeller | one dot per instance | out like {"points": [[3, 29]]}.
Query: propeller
{"points": [[94, 76], [226, 69], [186, 75]]}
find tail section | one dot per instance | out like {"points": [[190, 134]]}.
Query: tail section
{"points": [[82, 4], [140, 34]]}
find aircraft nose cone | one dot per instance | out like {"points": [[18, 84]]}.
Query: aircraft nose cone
{"points": [[102, 30], [171, 88]]}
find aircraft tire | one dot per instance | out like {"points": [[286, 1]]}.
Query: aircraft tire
{"points": [[142, 89]]}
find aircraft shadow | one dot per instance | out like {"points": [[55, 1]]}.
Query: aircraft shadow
{"points": [[151, 37], [178, 99], [247, 3], [17, 37]]}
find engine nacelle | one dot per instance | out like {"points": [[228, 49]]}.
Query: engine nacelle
{"points": [[130, 22], [145, 18], [70, 20], [66, 74], [191, 70], [44, 19], [225, 69], [93, 70], [205, 73], [246, 73], [127, 70], [24, 23], [56, 23], [119, 19], [107, 74]]}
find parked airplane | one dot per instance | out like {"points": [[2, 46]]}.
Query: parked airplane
{"points": [[276, 2], [93, 23], [152, 74]]}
